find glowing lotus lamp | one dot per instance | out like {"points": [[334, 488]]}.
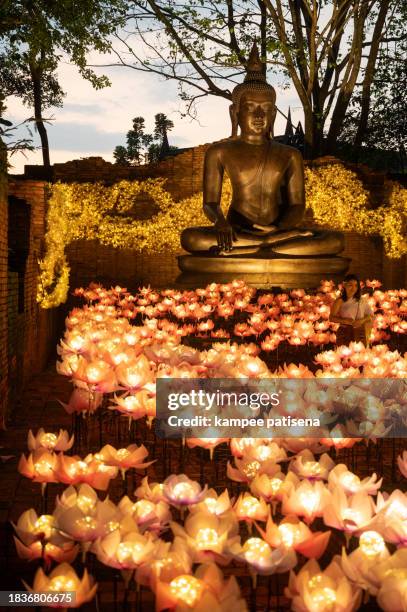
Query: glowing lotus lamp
{"points": [[63, 578], [179, 490], [39, 466], [50, 441]]}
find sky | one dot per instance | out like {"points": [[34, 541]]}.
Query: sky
{"points": [[93, 123]]}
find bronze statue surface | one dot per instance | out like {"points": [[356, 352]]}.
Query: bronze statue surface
{"points": [[267, 178]]}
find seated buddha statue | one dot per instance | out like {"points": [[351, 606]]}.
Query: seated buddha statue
{"points": [[267, 178]]}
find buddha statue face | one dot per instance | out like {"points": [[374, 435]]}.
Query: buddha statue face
{"points": [[256, 113]]}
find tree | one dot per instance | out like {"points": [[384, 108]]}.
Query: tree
{"points": [[34, 36], [377, 120], [319, 46], [137, 142], [120, 156], [142, 146], [161, 148]]}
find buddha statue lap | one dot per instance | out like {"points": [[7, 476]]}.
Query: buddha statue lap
{"points": [[260, 239]]}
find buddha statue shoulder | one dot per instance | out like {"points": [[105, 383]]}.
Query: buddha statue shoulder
{"points": [[267, 178]]}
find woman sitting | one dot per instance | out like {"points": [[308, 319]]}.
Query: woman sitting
{"points": [[353, 313]]}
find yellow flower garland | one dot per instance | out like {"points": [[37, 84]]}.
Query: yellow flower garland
{"points": [[92, 211]]}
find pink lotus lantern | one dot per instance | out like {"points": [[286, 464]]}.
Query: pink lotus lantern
{"points": [[125, 551], [146, 514], [293, 534], [305, 466], [40, 466], [207, 536], [125, 458], [205, 591], [359, 564], [391, 577], [50, 441], [63, 579], [322, 591], [213, 503], [82, 400], [308, 499], [74, 470], [97, 375], [262, 559], [135, 375], [85, 524], [341, 477], [248, 508], [353, 514], [402, 463], [179, 491], [40, 538]]}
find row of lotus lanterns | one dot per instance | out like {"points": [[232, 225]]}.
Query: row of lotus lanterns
{"points": [[296, 317], [177, 537], [285, 497]]}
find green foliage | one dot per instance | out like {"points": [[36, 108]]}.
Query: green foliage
{"points": [[36, 35], [142, 147]]}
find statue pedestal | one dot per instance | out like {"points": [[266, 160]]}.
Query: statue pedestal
{"points": [[285, 271]]}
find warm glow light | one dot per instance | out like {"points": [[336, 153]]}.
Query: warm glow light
{"points": [[206, 538], [371, 544], [187, 589]]}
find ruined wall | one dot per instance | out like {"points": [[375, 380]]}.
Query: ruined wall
{"points": [[3, 288], [30, 330]]}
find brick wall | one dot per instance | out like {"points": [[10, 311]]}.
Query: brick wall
{"points": [[38, 323], [28, 330], [91, 261], [3, 288]]}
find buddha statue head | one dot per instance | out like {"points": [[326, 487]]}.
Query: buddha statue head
{"points": [[253, 105]]}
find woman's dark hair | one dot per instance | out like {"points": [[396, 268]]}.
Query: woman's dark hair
{"points": [[349, 277]]}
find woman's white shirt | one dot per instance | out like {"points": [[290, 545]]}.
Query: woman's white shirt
{"points": [[355, 309]]}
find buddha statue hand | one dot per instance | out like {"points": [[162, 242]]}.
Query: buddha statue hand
{"points": [[225, 235]]}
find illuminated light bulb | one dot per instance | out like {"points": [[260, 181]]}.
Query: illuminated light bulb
{"points": [[312, 467], [61, 583], [44, 525], [309, 500], [86, 522], [126, 550], [77, 342], [256, 549], [250, 505], [143, 508], [182, 490], [187, 589], [289, 534], [211, 504], [43, 468], [123, 453], [275, 485], [371, 544], [119, 358], [264, 452], [250, 469], [48, 440], [85, 503], [82, 466], [206, 537], [253, 367], [323, 599], [112, 526], [315, 581], [94, 374]]}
